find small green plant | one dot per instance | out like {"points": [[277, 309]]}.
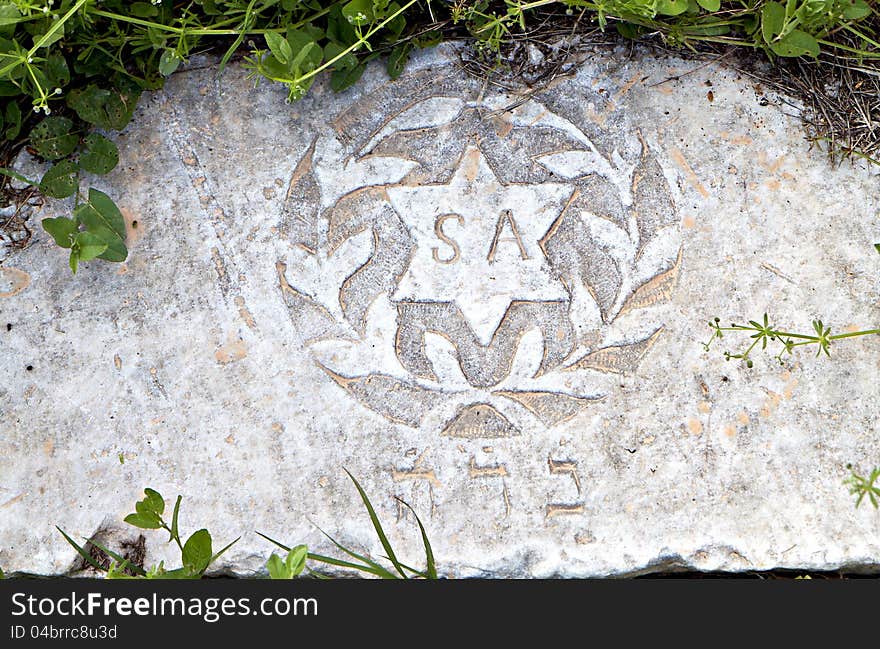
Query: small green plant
{"points": [[763, 333], [861, 486], [296, 558], [196, 553], [291, 566]]}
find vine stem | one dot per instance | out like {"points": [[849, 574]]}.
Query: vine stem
{"points": [[350, 48], [853, 334], [44, 38], [184, 31]]}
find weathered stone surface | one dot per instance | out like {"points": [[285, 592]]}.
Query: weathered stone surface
{"points": [[493, 314]]}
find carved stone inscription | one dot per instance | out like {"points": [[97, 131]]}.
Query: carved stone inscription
{"points": [[464, 267]]}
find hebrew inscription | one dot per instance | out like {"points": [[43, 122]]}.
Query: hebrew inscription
{"points": [[457, 262]]}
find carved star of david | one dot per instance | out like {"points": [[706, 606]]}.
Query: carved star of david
{"points": [[479, 242]]}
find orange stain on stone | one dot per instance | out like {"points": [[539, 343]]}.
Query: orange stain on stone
{"points": [[14, 280], [695, 426], [231, 352], [772, 402]]}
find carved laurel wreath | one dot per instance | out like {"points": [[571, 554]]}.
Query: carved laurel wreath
{"points": [[615, 248]]}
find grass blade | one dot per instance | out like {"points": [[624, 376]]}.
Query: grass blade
{"points": [[271, 540], [368, 567], [122, 561], [376, 568], [378, 527], [246, 24], [431, 568], [378, 572], [85, 555], [415, 571], [217, 555]]}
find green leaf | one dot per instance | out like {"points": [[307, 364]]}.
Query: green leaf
{"points": [[342, 79], [101, 216], [177, 573], [877, 247], [153, 499], [44, 28], [276, 567], [772, 21], [339, 30], [108, 109], [53, 139], [430, 38], [168, 62], [671, 7], [88, 246], [279, 47], [143, 520], [304, 61], [397, 59], [13, 121], [62, 230], [175, 534], [197, 552], [9, 15], [308, 55], [796, 43], [397, 24], [710, 5], [56, 71], [61, 180], [855, 9], [143, 9], [296, 560], [332, 50], [101, 155]]}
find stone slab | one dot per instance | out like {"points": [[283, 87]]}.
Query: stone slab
{"points": [[493, 313]]}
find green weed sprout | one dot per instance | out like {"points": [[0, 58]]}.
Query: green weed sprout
{"points": [[196, 553], [861, 486], [296, 558], [763, 333]]}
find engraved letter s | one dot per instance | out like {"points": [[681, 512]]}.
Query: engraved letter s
{"points": [[438, 230]]}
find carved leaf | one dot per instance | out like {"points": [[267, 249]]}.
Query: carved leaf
{"points": [[550, 407], [656, 290], [601, 276], [299, 213], [652, 202], [310, 319], [358, 124], [617, 359], [400, 402]]}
